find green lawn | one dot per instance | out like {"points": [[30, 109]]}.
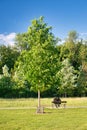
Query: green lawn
{"points": [[52, 119]]}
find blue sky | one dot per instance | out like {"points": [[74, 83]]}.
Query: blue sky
{"points": [[62, 15]]}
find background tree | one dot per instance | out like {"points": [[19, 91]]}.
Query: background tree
{"points": [[72, 49], [21, 42], [72, 36], [6, 84], [81, 88], [5, 71], [8, 57], [68, 79]]}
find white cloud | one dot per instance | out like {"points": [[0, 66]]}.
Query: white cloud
{"points": [[83, 35], [7, 39]]}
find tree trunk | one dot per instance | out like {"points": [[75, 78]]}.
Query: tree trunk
{"points": [[39, 108], [65, 95], [38, 98]]}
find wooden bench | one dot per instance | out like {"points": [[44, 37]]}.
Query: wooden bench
{"points": [[59, 103]]}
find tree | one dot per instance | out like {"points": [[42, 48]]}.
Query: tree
{"points": [[68, 78], [40, 64], [81, 88], [21, 42], [72, 49], [6, 83], [5, 71], [72, 36], [8, 57], [68, 48]]}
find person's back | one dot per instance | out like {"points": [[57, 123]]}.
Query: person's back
{"points": [[59, 100], [55, 99]]}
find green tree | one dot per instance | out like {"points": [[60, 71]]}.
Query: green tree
{"points": [[81, 88], [68, 78], [72, 49], [6, 83], [40, 64], [21, 42], [8, 57], [72, 36], [68, 48], [5, 71]]}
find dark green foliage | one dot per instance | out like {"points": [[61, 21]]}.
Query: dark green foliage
{"points": [[8, 56], [6, 86]]}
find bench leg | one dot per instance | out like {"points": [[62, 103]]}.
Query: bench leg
{"points": [[64, 105], [54, 105]]}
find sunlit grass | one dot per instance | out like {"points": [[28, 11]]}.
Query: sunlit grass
{"points": [[46, 102], [52, 119], [30, 102]]}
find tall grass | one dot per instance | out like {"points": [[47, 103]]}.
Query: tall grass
{"points": [[46, 102]]}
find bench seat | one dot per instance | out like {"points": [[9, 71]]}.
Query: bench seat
{"points": [[58, 103]]}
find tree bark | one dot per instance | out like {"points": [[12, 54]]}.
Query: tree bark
{"points": [[39, 108], [38, 98]]}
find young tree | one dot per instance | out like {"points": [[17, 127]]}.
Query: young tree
{"points": [[5, 71], [40, 64], [68, 78]]}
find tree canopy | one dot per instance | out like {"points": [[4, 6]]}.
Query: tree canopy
{"points": [[40, 64]]}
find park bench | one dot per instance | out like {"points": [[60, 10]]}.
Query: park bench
{"points": [[58, 103]]}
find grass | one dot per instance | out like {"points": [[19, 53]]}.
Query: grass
{"points": [[31, 102], [52, 119]]}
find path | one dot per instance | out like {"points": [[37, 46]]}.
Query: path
{"points": [[17, 108]]}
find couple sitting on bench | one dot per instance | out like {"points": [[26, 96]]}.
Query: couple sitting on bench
{"points": [[57, 101]]}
